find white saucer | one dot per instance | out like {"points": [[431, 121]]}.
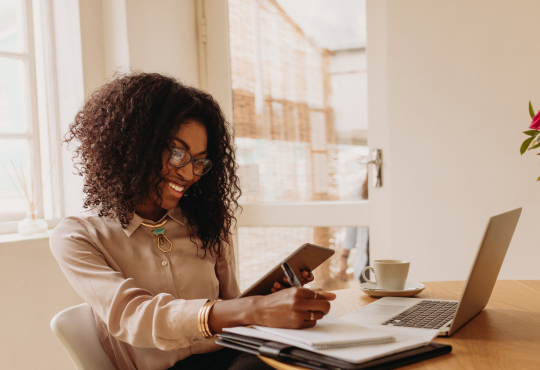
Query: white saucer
{"points": [[411, 288]]}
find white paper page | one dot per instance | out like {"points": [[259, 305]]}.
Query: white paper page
{"points": [[330, 330], [406, 338]]}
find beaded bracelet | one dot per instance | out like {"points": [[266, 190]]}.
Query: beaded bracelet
{"points": [[204, 313]]}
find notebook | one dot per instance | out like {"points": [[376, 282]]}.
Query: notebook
{"points": [[308, 359], [332, 333], [405, 339]]}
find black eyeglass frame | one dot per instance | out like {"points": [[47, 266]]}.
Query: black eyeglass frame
{"points": [[191, 159]]}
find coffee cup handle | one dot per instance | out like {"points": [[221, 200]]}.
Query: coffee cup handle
{"points": [[364, 274]]}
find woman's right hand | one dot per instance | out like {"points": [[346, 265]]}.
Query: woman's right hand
{"points": [[292, 308]]}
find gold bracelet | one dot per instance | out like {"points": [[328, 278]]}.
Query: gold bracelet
{"points": [[206, 317], [203, 316], [202, 313], [200, 319]]}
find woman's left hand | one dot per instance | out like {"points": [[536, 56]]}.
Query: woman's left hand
{"points": [[307, 277]]}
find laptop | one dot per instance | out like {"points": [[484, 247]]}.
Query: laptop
{"points": [[449, 316]]}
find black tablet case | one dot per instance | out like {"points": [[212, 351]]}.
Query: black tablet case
{"points": [[311, 360]]}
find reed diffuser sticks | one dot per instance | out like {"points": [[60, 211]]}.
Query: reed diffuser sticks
{"points": [[28, 189], [27, 192]]}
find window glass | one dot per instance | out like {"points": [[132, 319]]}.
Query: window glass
{"points": [[299, 98], [18, 140], [13, 152], [14, 107], [12, 26]]}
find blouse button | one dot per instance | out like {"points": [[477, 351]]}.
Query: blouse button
{"points": [[164, 263]]}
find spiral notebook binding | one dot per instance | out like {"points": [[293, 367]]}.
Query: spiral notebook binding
{"points": [[351, 343]]}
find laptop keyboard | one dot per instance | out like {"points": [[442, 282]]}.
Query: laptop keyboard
{"points": [[425, 314]]}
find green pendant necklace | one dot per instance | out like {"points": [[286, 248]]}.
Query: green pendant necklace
{"points": [[159, 232]]}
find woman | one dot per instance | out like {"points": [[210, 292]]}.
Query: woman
{"points": [[152, 254]]}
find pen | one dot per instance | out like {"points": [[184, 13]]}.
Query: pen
{"points": [[293, 280]]}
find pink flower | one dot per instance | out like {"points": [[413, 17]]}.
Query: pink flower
{"points": [[535, 124]]}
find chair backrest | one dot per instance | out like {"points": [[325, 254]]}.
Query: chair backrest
{"points": [[76, 329]]}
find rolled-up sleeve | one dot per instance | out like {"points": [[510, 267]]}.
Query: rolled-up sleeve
{"points": [[131, 314]]}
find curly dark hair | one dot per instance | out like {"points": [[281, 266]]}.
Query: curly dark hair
{"points": [[121, 133]]}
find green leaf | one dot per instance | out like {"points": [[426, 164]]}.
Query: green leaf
{"points": [[531, 132], [525, 145], [531, 110]]}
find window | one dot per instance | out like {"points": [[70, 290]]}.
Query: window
{"points": [[299, 99], [26, 107]]}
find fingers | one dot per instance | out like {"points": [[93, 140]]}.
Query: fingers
{"points": [[303, 307], [311, 320], [307, 324], [307, 274], [307, 319], [313, 315], [307, 277], [324, 295], [304, 301], [317, 294], [316, 306], [277, 287], [286, 281]]}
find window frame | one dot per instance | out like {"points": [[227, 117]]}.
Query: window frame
{"points": [[44, 129]]}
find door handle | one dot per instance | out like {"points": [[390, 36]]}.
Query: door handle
{"points": [[376, 168]]}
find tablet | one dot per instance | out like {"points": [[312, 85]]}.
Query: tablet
{"points": [[307, 257]]}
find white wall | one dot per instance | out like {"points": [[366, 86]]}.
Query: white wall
{"points": [[151, 36], [162, 38], [449, 85], [34, 289], [93, 51]]}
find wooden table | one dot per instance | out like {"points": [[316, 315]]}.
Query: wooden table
{"points": [[505, 335]]}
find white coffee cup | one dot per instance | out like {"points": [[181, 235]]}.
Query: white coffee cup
{"points": [[389, 274]]}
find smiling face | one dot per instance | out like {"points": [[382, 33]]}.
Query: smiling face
{"points": [[192, 137]]}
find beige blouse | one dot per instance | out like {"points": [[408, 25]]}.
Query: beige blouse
{"points": [[145, 302]]}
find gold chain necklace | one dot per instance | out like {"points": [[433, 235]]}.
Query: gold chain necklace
{"points": [[159, 232]]}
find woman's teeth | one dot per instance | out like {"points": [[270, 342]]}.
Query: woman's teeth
{"points": [[176, 187]]}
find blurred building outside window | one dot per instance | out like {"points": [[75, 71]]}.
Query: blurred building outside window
{"points": [[299, 84]]}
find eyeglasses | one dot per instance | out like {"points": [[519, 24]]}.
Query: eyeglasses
{"points": [[179, 157]]}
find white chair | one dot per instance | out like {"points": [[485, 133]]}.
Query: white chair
{"points": [[76, 329]]}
